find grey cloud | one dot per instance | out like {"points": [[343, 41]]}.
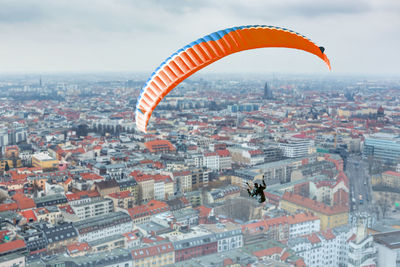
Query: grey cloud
{"points": [[19, 12], [306, 9]]}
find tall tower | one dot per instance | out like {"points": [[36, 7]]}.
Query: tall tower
{"points": [[267, 92]]}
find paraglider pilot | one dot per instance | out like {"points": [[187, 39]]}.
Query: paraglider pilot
{"points": [[258, 191]]}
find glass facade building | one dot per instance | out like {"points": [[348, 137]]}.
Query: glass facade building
{"points": [[385, 147]]}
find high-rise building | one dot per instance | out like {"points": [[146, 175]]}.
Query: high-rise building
{"points": [[297, 147], [267, 92], [385, 147]]}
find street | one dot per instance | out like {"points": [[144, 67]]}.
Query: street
{"points": [[360, 184]]}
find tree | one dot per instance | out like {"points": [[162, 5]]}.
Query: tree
{"points": [[384, 204]]}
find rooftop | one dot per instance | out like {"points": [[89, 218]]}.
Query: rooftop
{"points": [[389, 239]]}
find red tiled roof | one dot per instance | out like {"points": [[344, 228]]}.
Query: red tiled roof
{"points": [[159, 177], [67, 208], [313, 238], [255, 227], [12, 246], [285, 255], [91, 176], [132, 235], [152, 207], [301, 217], [204, 211], [268, 252], [328, 234], [79, 194], [120, 195], [223, 153], [227, 261], [182, 173], [78, 247], [154, 145], [144, 177], [23, 201], [9, 206], [29, 215], [152, 240], [210, 154]]}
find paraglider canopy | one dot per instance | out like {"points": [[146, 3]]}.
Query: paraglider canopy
{"points": [[209, 49]]}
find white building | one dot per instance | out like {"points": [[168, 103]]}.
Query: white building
{"points": [[115, 171], [303, 224], [229, 235], [103, 226], [225, 160], [297, 147], [183, 181], [3, 137], [159, 189], [211, 160], [92, 208], [325, 248], [388, 248], [362, 251]]}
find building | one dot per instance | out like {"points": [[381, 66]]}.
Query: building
{"points": [[103, 226], [146, 187], [211, 160], [159, 146], [78, 249], [267, 92], [163, 187], [297, 147], [95, 207], [12, 247], [330, 216], [3, 137], [50, 200], [229, 235], [44, 161], [58, 236], [391, 179], [272, 250], [197, 242], [12, 260], [325, 248], [131, 185], [385, 147], [222, 194], [388, 248], [200, 177], [362, 251], [154, 255], [107, 244], [183, 181], [303, 224], [116, 257], [107, 187], [123, 199], [50, 214], [142, 213]]}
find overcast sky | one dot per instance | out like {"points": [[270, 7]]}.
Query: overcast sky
{"points": [[360, 36]]}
